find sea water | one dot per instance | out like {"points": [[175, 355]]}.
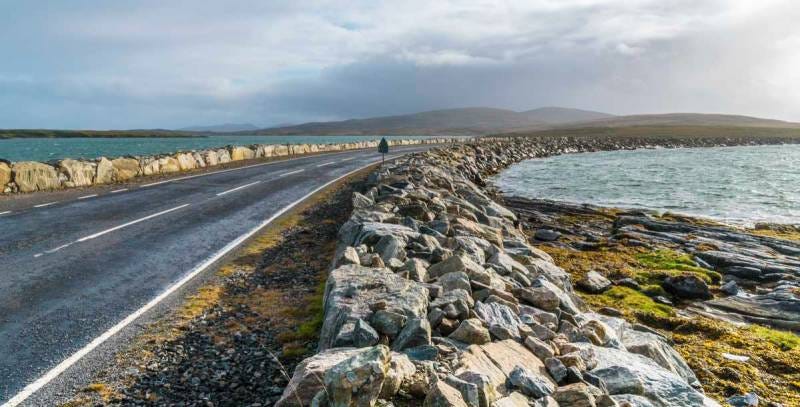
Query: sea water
{"points": [[739, 185]]}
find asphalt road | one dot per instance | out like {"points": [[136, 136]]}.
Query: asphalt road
{"points": [[73, 270]]}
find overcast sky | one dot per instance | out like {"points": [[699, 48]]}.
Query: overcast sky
{"points": [[167, 64]]}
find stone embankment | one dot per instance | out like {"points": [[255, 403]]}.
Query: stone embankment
{"points": [[437, 298], [30, 176]]}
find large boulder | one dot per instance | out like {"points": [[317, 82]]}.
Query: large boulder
{"points": [[105, 172], [5, 175], [356, 292], [150, 166], [168, 165], [636, 373], [79, 173], [306, 381], [186, 161], [126, 168], [687, 286], [242, 153], [31, 176], [358, 380]]}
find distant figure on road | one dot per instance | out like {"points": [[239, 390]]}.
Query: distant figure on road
{"points": [[383, 148]]}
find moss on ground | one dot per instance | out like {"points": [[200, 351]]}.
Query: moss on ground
{"points": [[773, 367]]}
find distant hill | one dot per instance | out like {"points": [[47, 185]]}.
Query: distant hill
{"points": [[682, 119], [472, 120], [559, 115], [222, 128]]}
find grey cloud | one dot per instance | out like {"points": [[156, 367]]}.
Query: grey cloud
{"points": [[169, 64]]}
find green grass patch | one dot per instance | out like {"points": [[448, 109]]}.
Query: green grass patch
{"points": [[630, 300], [663, 263], [785, 340]]}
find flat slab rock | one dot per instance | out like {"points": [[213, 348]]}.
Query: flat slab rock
{"points": [[497, 360], [352, 289]]}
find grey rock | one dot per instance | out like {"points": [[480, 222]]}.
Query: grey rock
{"points": [[541, 349], [454, 281], [351, 289], [358, 379], [469, 391], [444, 395], [576, 395], [305, 382], [730, 288], [486, 391], [687, 287], [594, 283], [530, 383], [746, 400], [417, 332], [556, 368], [388, 323], [620, 380], [471, 331], [364, 335], [546, 235]]}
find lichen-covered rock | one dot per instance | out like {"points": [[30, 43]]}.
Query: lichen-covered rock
{"points": [[5, 174], [125, 168], [168, 165], [351, 290], [105, 172], [186, 161], [530, 384], [444, 395], [307, 378], [79, 173], [32, 176], [358, 380], [242, 153], [471, 331]]}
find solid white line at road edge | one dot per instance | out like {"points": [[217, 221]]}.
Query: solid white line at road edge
{"points": [[75, 357], [238, 188]]}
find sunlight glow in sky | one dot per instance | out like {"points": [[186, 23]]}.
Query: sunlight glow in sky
{"points": [[168, 64]]}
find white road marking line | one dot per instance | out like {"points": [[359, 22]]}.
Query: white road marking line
{"points": [[241, 168], [346, 159], [38, 255], [238, 188], [133, 222], [118, 190], [58, 248], [45, 204], [87, 196], [324, 164], [64, 365], [5, 213], [290, 173]]}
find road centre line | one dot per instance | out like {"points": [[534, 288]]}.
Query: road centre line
{"points": [[5, 213], [42, 381], [291, 172], [324, 164], [87, 196], [118, 190], [238, 188], [45, 204], [133, 222]]}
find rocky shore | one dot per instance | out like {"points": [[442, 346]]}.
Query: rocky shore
{"points": [[30, 176], [437, 297]]}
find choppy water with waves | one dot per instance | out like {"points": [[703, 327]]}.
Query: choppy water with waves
{"points": [[739, 185]]}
